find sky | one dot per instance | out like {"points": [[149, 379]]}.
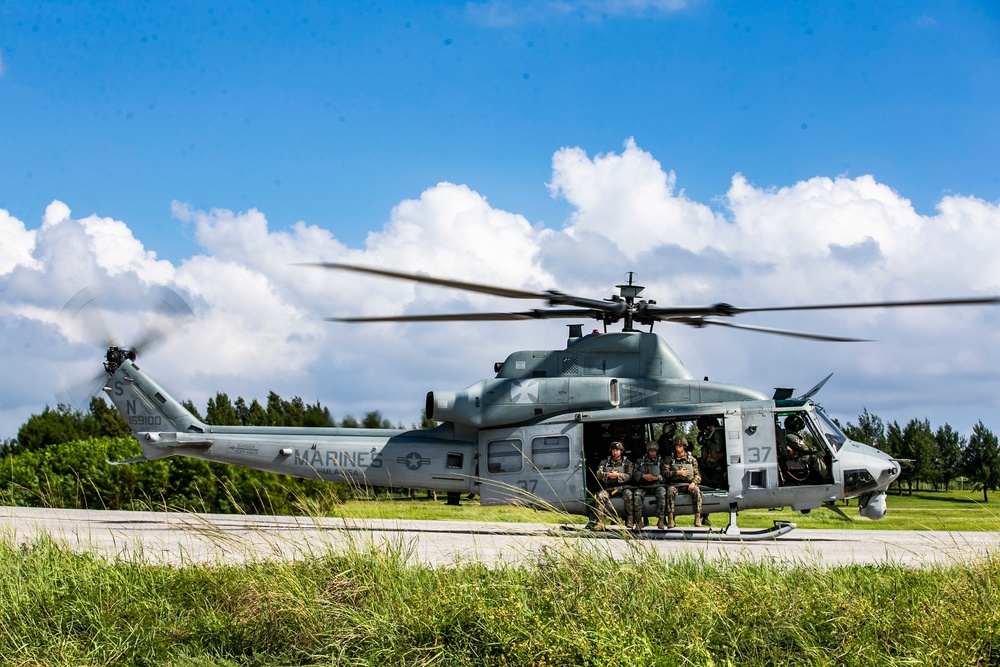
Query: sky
{"points": [[760, 154]]}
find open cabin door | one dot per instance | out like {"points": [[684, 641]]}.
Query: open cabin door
{"points": [[539, 465]]}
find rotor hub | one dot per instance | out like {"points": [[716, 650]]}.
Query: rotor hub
{"points": [[115, 357]]}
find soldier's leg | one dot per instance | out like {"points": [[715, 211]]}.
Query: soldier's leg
{"points": [[670, 500], [696, 501], [638, 497], [599, 510], [661, 506], [629, 512]]}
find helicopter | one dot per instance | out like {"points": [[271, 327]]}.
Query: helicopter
{"points": [[535, 433]]}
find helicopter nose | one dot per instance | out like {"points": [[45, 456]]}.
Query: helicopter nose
{"points": [[867, 469], [890, 472]]}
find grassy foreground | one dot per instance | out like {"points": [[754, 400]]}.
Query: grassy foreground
{"points": [[564, 608]]}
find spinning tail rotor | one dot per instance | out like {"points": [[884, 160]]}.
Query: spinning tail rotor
{"points": [[84, 316]]}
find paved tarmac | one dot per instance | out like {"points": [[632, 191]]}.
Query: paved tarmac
{"points": [[178, 538]]}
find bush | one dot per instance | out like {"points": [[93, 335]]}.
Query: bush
{"points": [[76, 475]]}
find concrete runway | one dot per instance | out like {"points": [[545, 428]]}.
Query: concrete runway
{"points": [[177, 538]]}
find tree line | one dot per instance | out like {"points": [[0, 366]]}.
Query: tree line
{"points": [[934, 457], [58, 458], [64, 423]]}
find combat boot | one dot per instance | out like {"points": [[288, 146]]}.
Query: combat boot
{"points": [[697, 521], [600, 526], [659, 523], [670, 522]]}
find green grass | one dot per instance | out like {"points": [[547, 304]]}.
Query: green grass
{"points": [[924, 510], [565, 607]]}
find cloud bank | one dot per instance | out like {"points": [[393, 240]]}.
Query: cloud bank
{"points": [[260, 323]]}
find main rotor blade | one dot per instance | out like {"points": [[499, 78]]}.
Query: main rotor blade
{"points": [[475, 317], [979, 301], [443, 282], [553, 297], [697, 322]]}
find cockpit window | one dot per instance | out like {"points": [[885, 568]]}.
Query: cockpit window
{"points": [[833, 435]]}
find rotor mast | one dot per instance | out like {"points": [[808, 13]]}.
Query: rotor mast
{"points": [[628, 293]]}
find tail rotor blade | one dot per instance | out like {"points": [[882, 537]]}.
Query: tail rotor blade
{"points": [[171, 313], [78, 395], [82, 315]]}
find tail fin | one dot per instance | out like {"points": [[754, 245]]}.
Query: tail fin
{"points": [[157, 420]]}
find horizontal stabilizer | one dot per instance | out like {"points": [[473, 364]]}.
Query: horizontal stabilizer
{"points": [[173, 439], [138, 459]]}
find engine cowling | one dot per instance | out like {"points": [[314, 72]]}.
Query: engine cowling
{"points": [[501, 401]]}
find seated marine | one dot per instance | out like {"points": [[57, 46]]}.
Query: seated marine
{"points": [[683, 476], [614, 473]]}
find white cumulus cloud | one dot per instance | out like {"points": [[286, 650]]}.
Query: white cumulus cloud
{"points": [[260, 314]]}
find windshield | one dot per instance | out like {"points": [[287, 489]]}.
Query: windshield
{"points": [[833, 435]]}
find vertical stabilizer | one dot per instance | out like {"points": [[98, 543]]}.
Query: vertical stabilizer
{"points": [[146, 406]]}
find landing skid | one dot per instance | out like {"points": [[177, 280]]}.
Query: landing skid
{"points": [[708, 534], [731, 533]]}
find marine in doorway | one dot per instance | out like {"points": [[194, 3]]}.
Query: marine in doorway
{"points": [[683, 477], [614, 474], [648, 476], [712, 455]]}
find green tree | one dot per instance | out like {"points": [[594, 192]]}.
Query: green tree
{"points": [[295, 412], [51, 427], [317, 416], [425, 423], [894, 447], [285, 413], [189, 406], [920, 445], [103, 421], [981, 462], [374, 419], [221, 411], [349, 422], [870, 430], [256, 414], [950, 446]]}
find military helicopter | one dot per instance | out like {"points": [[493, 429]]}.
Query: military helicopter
{"points": [[535, 432]]}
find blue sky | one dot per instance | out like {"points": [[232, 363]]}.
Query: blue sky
{"points": [[188, 125]]}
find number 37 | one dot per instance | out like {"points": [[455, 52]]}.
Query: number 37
{"points": [[754, 454]]}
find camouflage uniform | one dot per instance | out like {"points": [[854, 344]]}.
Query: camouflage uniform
{"points": [[712, 447], [653, 466], [613, 487], [679, 483]]}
